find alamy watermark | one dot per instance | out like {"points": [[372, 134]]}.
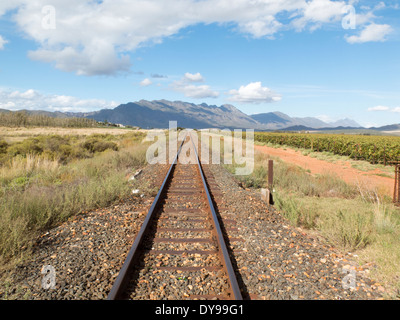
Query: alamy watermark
{"points": [[349, 281], [49, 277], [49, 18], [349, 21], [238, 148]]}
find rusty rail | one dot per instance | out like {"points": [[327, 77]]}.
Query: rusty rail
{"points": [[224, 253], [121, 282], [133, 254]]}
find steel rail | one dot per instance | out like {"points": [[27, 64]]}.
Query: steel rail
{"points": [[120, 283], [122, 279], [234, 285]]}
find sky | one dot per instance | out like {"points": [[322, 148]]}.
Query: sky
{"points": [[306, 58]]}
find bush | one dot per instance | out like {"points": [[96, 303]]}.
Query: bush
{"points": [[94, 145], [28, 146], [37, 193], [351, 230], [3, 146]]}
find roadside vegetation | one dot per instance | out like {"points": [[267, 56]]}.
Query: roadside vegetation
{"points": [[24, 119], [46, 179], [353, 218]]}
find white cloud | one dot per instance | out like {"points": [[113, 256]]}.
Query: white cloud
{"points": [[385, 108], [2, 42], [146, 82], [96, 60], [318, 12], [380, 5], [186, 86], [193, 77], [254, 92], [379, 108], [372, 32], [96, 37], [265, 27], [34, 100], [197, 92]]}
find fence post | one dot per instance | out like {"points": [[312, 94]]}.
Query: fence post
{"points": [[266, 194], [270, 180], [396, 195]]}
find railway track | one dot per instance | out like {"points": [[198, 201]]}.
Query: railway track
{"points": [[180, 250]]}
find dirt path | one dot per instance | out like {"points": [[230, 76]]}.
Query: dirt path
{"points": [[343, 170]]}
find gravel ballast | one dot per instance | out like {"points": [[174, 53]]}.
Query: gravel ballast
{"points": [[278, 261]]}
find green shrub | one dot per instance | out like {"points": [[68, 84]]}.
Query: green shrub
{"points": [[20, 182], [3, 146], [27, 146], [351, 230], [94, 145], [50, 193]]}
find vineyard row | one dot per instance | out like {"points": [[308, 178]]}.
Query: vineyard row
{"points": [[374, 149]]}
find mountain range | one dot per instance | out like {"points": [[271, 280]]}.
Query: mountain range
{"points": [[157, 114]]}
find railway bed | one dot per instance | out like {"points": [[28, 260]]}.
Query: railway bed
{"points": [[180, 252], [271, 259]]}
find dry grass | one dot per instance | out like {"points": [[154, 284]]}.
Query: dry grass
{"points": [[11, 135], [28, 166], [351, 218], [38, 192]]}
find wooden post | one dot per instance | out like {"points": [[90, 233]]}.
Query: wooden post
{"points": [[270, 173], [396, 195], [270, 180], [266, 193]]}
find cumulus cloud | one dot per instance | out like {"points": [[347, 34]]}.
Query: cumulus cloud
{"points": [[265, 27], [97, 37], [197, 92], [190, 90], [317, 12], [372, 32], [146, 82], [254, 92], [193, 77], [34, 100], [2, 42], [89, 62]]}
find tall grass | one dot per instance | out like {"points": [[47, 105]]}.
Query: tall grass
{"points": [[37, 192], [350, 217]]}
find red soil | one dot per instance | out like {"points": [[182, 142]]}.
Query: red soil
{"points": [[343, 170]]}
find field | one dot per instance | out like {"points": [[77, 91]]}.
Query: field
{"points": [[10, 134], [353, 217], [50, 174], [374, 149]]}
